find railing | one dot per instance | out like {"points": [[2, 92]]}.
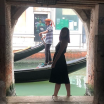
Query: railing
{"points": [[76, 40]]}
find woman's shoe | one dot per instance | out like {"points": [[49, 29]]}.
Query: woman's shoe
{"points": [[55, 98]]}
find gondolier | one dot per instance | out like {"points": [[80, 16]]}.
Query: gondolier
{"points": [[48, 40]]}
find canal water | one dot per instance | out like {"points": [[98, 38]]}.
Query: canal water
{"points": [[45, 88]]}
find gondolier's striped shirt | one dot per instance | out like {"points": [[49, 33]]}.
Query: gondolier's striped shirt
{"points": [[49, 35]]}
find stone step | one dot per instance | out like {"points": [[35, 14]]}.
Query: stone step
{"points": [[49, 100]]}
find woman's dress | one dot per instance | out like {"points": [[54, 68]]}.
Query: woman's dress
{"points": [[59, 74]]}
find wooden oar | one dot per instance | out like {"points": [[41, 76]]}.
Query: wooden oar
{"points": [[42, 40]]}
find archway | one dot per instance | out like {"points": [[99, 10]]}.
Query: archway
{"points": [[94, 33], [83, 14]]}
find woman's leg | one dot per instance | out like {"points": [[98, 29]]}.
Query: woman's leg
{"points": [[56, 90], [68, 89]]}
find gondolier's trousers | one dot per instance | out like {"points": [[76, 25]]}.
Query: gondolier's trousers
{"points": [[47, 53]]}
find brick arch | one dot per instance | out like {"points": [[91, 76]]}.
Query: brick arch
{"points": [[16, 12]]}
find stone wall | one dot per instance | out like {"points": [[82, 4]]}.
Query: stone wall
{"points": [[6, 60], [9, 54], [99, 56], [90, 53]]}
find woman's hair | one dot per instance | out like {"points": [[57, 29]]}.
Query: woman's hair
{"points": [[67, 37]]}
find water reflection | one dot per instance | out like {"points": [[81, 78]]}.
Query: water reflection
{"points": [[45, 88], [79, 81]]}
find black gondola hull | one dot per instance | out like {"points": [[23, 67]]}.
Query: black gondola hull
{"points": [[42, 74], [28, 52]]}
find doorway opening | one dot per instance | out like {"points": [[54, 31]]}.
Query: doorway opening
{"points": [[62, 18]]}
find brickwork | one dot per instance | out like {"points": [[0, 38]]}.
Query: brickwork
{"points": [[9, 54], [2, 48], [6, 61], [96, 54], [99, 56], [2, 33], [90, 52], [8, 51], [99, 70], [68, 55]]}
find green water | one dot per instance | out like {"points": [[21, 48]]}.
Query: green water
{"points": [[26, 63], [45, 88]]}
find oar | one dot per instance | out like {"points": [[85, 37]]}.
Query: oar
{"points": [[42, 40]]}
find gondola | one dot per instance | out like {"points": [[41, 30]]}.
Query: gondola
{"points": [[28, 52], [43, 73]]}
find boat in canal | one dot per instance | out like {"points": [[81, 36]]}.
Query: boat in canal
{"points": [[28, 52], [43, 73]]}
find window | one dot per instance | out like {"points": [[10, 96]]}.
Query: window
{"points": [[66, 18], [39, 25]]}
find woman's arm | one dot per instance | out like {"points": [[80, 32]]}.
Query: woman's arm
{"points": [[62, 47]]}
